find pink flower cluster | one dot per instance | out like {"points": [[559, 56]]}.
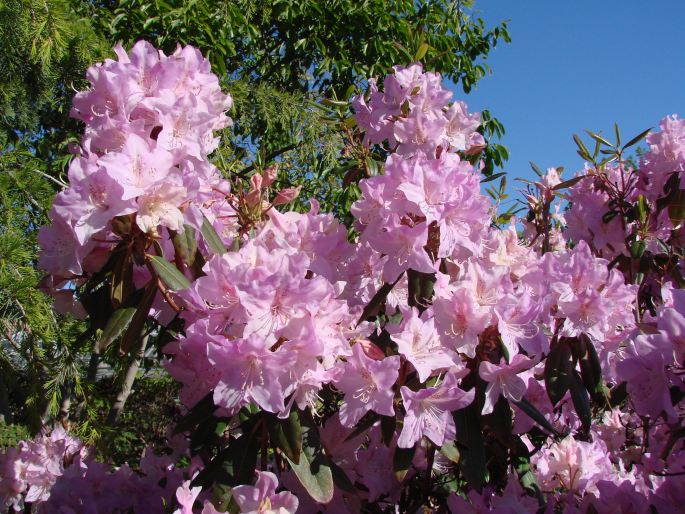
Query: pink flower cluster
{"points": [[296, 317], [150, 122], [55, 474], [261, 326], [29, 471], [593, 198], [413, 114], [421, 209]]}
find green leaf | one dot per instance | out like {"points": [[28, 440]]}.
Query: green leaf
{"points": [[286, 435], [534, 414], [334, 103], [536, 169], [401, 461], [493, 177], [212, 238], [449, 450], [185, 244], [402, 49], [372, 165], [388, 425], [372, 307], [174, 279], [421, 52], [590, 367], [558, 368], [520, 460], [637, 138], [122, 279], [137, 323], [471, 446], [599, 139], [116, 326], [581, 401], [637, 248], [364, 424], [642, 208], [568, 183], [314, 471]]}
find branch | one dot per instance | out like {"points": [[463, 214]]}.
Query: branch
{"points": [[242, 173]]}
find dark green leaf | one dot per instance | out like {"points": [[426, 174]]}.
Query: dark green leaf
{"points": [[314, 471], [122, 279], [568, 183], [590, 367], [137, 323], [608, 216], [388, 425], [341, 479], [364, 424], [286, 435], [174, 279], [536, 415], [581, 401], [212, 238], [558, 368], [116, 325], [401, 461], [185, 244], [618, 394], [372, 307], [637, 138], [471, 446], [420, 288], [372, 165], [493, 177], [234, 465], [449, 450]]}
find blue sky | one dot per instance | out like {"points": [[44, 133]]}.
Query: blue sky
{"points": [[580, 64]]}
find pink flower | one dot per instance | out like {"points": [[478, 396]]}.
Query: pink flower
{"points": [[160, 206], [250, 372], [404, 247], [504, 380], [262, 497], [572, 465], [459, 319], [418, 341], [138, 166], [643, 370], [429, 411], [367, 385], [186, 498]]}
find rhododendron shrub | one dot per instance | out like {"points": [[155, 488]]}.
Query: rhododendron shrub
{"points": [[424, 357]]}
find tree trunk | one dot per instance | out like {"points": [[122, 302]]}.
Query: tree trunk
{"points": [[65, 404], [127, 383], [93, 365], [5, 411]]}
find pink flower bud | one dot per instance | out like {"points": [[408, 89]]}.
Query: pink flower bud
{"points": [[371, 350], [270, 174], [256, 182], [286, 195]]}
